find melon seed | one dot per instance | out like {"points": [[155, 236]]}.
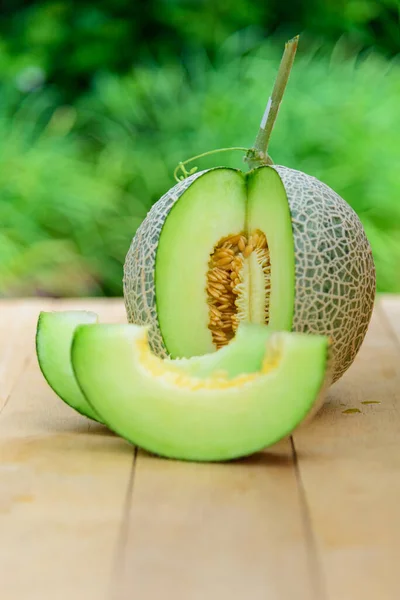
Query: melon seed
{"points": [[224, 279]]}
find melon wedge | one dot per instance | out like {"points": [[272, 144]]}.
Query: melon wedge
{"points": [[185, 410], [54, 335]]}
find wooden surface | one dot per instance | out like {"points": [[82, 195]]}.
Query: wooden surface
{"points": [[83, 515]]}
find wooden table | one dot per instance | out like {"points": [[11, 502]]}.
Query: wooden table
{"points": [[83, 515]]}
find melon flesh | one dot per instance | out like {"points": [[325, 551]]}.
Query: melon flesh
{"points": [[54, 335], [189, 411], [212, 208], [267, 210], [221, 203]]}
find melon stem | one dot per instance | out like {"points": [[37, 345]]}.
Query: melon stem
{"points": [[258, 155]]}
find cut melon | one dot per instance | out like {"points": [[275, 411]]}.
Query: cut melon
{"points": [[54, 335], [272, 246], [187, 410], [181, 283]]}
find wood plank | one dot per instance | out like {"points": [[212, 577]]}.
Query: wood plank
{"points": [[349, 464], [390, 306], [226, 531], [199, 531], [244, 518], [63, 486], [17, 329]]}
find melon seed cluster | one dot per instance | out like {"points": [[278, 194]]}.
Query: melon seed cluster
{"points": [[225, 279]]}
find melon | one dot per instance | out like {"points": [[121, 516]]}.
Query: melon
{"points": [[222, 406], [273, 246], [54, 334], [217, 406]]}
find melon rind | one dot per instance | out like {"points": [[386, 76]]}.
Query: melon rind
{"points": [[335, 274]]}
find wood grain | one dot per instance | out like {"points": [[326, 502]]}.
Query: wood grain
{"points": [[349, 464], [390, 310], [17, 328], [226, 531], [79, 518], [63, 483]]}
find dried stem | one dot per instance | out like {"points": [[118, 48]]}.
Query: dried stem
{"points": [[258, 155]]}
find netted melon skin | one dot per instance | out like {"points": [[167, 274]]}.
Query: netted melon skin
{"points": [[335, 274], [140, 262]]}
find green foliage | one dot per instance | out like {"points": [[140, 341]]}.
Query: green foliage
{"points": [[62, 221], [66, 42], [75, 182], [337, 122]]}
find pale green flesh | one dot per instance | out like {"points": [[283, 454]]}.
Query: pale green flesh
{"points": [[53, 347], [187, 421], [244, 354], [54, 337], [256, 294], [210, 209], [268, 210], [220, 203]]}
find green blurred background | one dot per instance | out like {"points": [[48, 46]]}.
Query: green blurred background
{"points": [[100, 100]]}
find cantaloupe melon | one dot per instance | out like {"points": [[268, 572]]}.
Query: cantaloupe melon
{"points": [[272, 246]]}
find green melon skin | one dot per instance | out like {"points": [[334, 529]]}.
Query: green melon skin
{"points": [[322, 262], [183, 409], [54, 335]]}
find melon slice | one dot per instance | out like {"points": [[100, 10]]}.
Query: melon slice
{"points": [[54, 335], [182, 409], [272, 246]]}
